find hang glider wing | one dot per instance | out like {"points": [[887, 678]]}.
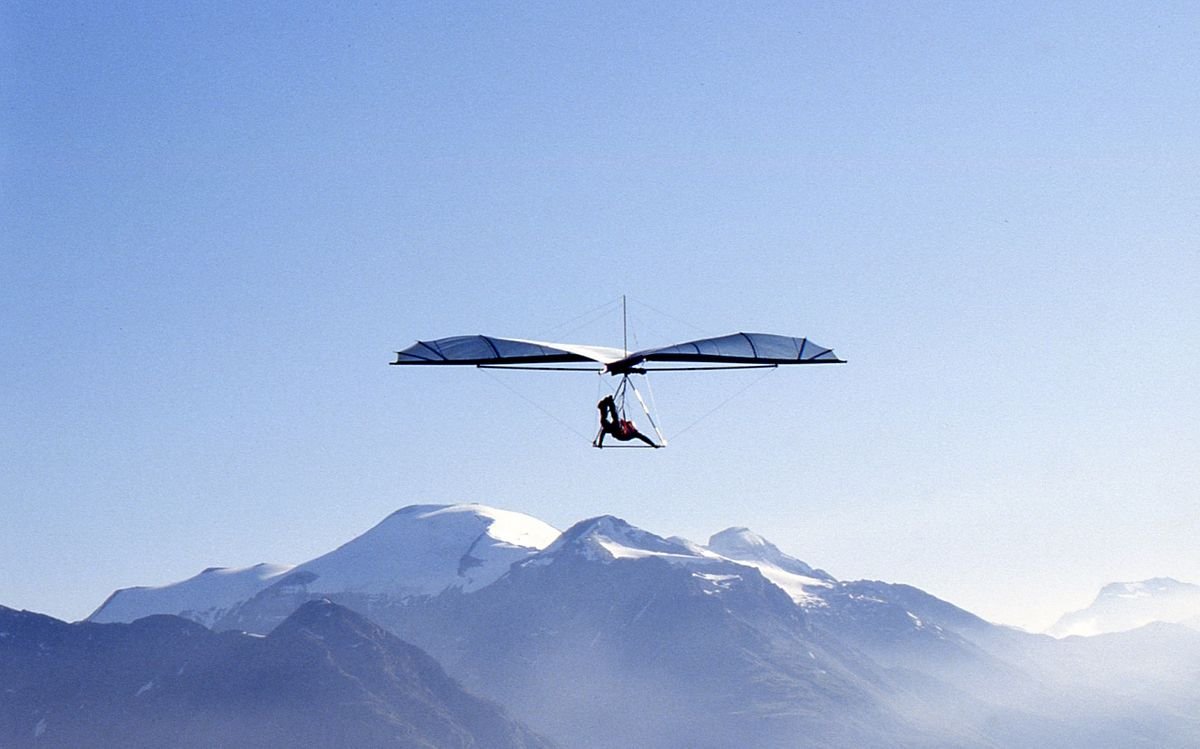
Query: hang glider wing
{"points": [[488, 351], [736, 349]]}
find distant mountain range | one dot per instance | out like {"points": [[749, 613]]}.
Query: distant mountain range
{"points": [[1124, 606], [607, 635]]}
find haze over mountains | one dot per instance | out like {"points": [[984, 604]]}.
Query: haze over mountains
{"points": [[1125, 606], [608, 635]]}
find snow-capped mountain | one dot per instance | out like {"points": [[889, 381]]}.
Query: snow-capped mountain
{"points": [[607, 538], [418, 550], [1124, 606], [423, 550]]}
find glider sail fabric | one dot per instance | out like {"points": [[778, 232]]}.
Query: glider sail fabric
{"points": [[737, 348], [481, 350]]}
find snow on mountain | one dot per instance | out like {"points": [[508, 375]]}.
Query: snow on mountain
{"points": [[203, 598], [422, 550], [607, 538], [800, 581], [418, 550], [425, 549], [1125, 606]]}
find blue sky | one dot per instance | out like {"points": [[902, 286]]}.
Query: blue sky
{"points": [[219, 222]]}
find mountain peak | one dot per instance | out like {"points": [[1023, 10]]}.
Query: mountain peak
{"points": [[739, 539], [607, 537], [601, 524], [505, 526], [326, 620], [425, 549], [744, 545], [319, 608]]}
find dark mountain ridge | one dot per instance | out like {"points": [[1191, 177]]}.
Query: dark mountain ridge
{"points": [[326, 677]]}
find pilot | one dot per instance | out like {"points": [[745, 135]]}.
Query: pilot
{"points": [[611, 422]]}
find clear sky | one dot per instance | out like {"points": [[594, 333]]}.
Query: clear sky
{"points": [[219, 220]]}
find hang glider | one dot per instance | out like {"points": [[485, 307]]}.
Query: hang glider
{"points": [[734, 351], [737, 350]]}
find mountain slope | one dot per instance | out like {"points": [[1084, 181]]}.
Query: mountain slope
{"points": [[325, 678]]}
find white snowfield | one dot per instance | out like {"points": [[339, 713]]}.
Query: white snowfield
{"points": [[423, 550], [607, 538], [203, 598], [418, 550]]}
